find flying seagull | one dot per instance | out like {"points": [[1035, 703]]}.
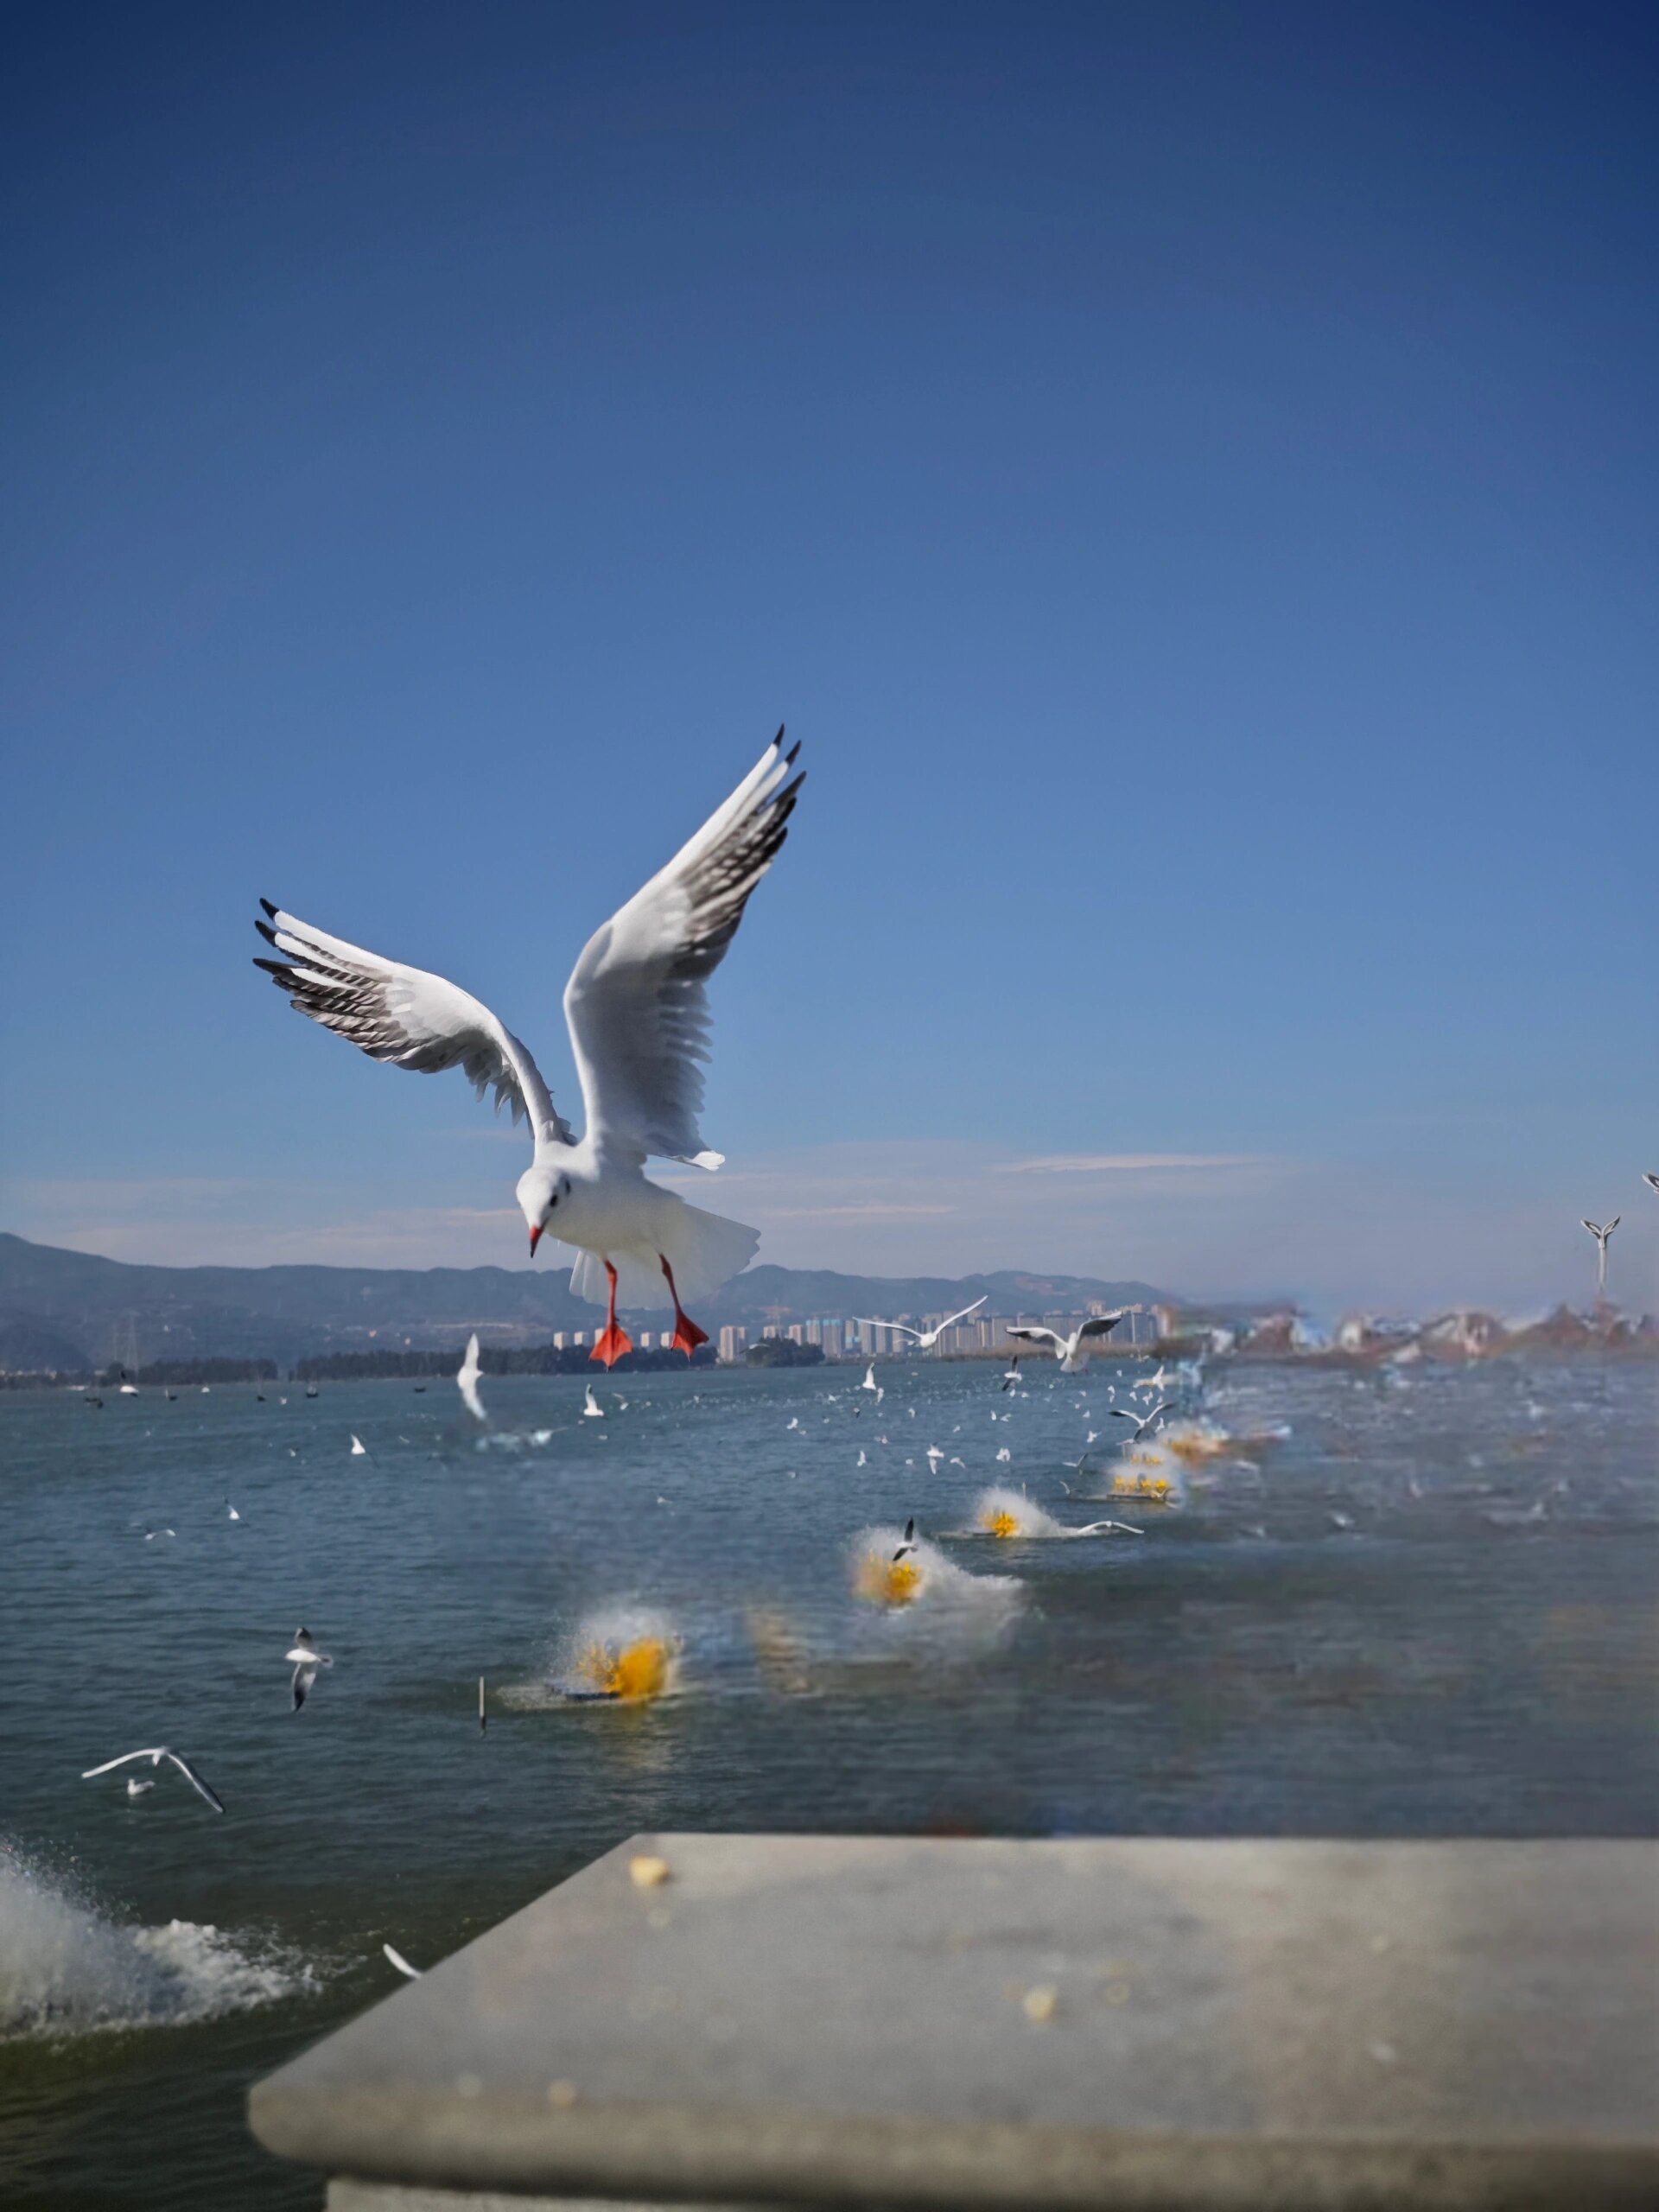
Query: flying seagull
{"points": [[869, 1381], [306, 1659], [1650, 1178], [926, 1338], [1602, 1237], [1073, 1351], [909, 1544], [155, 1756], [592, 1410], [468, 1378], [359, 1449], [412, 1974], [1011, 1376], [1117, 1413], [638, 1012]]}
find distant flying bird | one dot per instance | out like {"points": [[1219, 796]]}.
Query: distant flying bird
{"points": [[592, 1410], [401, 1964], [909, 1544], [155, 1757], [1602, 1236], [359, 1449], [232, 1511], [1073, 1351], [468, 1378], [1012, 1373], [638, 1012], [869, 1381], [305, 1659], [1650, 1178], [1141, 1425], [926, 1338]]}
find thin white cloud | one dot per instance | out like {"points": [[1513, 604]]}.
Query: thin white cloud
{"points": [[1122, 1163]]}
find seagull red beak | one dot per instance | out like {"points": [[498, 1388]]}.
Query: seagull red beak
{"points": [[535, 1239]]}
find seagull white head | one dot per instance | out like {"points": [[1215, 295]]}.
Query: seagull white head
{"points": [[540, 1190]]}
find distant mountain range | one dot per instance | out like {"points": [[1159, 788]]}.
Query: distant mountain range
{"points": [[74, 1310]]}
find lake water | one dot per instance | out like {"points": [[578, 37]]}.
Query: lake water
{"points": [[1428, 1610]]}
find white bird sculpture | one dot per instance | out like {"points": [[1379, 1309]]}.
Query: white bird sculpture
{"points": [[467, 1377], [1073, 1351], [155, 1756], [926, 1338], [1602, 1237], [638, 1013]]}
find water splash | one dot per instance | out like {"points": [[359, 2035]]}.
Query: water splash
{"points": [[924, 1581], [67, 1969], [626, 1652]]}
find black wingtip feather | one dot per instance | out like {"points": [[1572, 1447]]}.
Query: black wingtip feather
{"points": [[274, 968], [269, 908], [266, 931]]}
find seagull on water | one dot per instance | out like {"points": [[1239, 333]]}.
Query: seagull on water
{"points": [[1117, 1413], [468, 1378], [869, 1381], [926, 1338], [155, 1756], [359, 1449], [305, 1659], [592, 1410], [1602, 1237], [637, 1008], [1073, 1352]]}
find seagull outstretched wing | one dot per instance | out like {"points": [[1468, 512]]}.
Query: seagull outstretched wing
{"points": [[864, 1322], [155, 1754], [1038, 1337], [962, 1316], [407, 1016], [1102, 1325], [636, 1001]]}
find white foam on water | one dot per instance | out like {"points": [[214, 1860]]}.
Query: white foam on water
{"points": [[67, 1968]]}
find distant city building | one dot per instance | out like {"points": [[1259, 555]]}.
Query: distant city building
{"points": [[734, 1342], [559, 1340], [814, 1333], [831, 1340], [796, 1334]]}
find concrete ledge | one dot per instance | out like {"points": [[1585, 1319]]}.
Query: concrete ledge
{"points": [[828, 2021]]}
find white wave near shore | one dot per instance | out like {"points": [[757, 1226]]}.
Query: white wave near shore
{"points": [[67, 1968]]}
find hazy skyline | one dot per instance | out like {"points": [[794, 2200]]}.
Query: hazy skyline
{"points": [[1186, 473]]}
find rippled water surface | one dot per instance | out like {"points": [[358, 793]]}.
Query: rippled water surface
{"points": [[1426, 1609]]}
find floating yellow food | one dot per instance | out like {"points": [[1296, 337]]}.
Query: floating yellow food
{"points": [[638, 1670], [888, 1582], [1001, 1522], [646, 1870]]}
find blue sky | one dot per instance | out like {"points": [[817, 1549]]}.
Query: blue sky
{"points": [[1186, 473]]}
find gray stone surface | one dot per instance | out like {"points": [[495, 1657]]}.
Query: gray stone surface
{"points": [[1133, 2022]]}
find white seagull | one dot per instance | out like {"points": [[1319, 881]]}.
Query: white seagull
{"points": [[1073, 1351], [1141, 1425], [306, 1659], [869, 1381], [1012, 1374], [155, 1756], [926, 1338], [1602, 1236], [1650, 1178], [592, 1410], [638, 1012], [468, 1377], [412, 1974], [359, 1449]]}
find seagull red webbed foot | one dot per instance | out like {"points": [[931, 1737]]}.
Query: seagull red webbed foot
{"points": [[609, 1347], [687, 1335]]}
